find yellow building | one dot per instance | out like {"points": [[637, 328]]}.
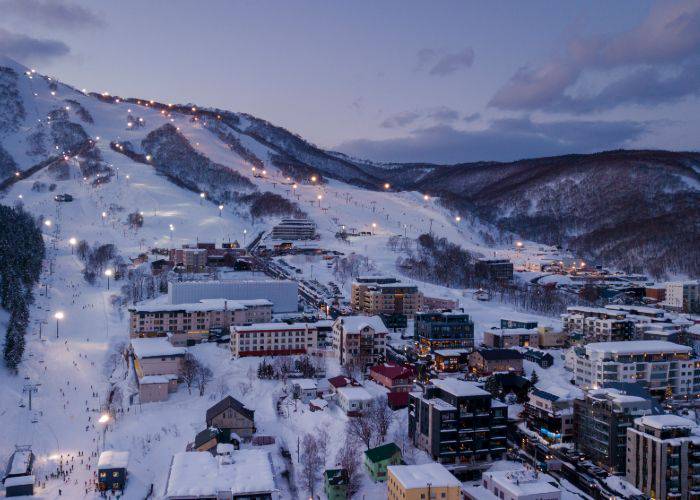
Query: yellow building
{"points": [[416, 482]]}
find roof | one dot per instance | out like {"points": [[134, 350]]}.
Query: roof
{"points": [[279, 327], [155, 347], [459, 387], [538, 354], [157, 379], [420, 476], [305, 383], [397, 399], [18, 481], [20, 462], [667, 421], [392, 370], [225, 404], [356, 323], [522, 483], [450, 352], [319, 403], [341, 381], [499, 354], [205, 436], [383, 452], [113, 460], [196, 474], [355, 393], [202, 305], [637, 347], [336, 477]]}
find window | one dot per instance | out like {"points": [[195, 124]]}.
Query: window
{"points": [[115, 474]]}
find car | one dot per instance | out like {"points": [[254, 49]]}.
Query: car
{"points": [[65, 197]]}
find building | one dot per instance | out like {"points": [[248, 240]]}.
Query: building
{"points": [[206, 440], [438, 303], [683, 296], [663, 456], [458, 424], [158, 366], [245, 474], [273, 339], [284, 294], [543, 359], [447, 329], [393, 376], [353, 400], [549, 338], [665, 369], [655, 294], [450, 360], [189, 319], [550, 413], [494, 269], [598, 323], [304, 389], [232, 417], [519, 484], [511, 337], [601, 420], [19, 474], [417, 482], [488, 361], [378, 459], [194, 260], [112, 470], [339, 381], [335, 484], [374, 295], [360, 340], [294, 229], [515, 323]]}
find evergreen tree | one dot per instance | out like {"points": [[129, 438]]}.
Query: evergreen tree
{"points": [[534, 378]]}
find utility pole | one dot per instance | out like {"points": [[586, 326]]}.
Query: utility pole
{"points": [[30, 389]]}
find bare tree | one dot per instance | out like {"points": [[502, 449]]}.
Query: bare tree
{"points": [[311, 462], [322, 440], [361, 428], [190, 369], [204, 376], [348, 458], [381, 416]]}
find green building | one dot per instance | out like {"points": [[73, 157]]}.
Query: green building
{"points": [[335, 484], [379, 458]]}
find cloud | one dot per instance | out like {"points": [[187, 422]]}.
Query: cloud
{"points": [[502, 140], [438, 114], [51, 13], [471, 117], [26, 48], [667, 39], [441, 63]]}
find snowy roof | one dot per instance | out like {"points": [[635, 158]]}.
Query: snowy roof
{"points": [[319, 403], [357, 323], [203, 305], [450, 352], [155, 347], [419, 476], [305, 383], [197, 474], [666, 421], [156, 379], [113, 460], [506, 332], [637, 347], [354, 393], [459, 387], [522, 483], [616, 395], [18, 481], [224, 449], [21, 462], [277, 327]]}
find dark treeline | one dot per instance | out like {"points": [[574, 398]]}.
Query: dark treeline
{"points": [[22, 251]]}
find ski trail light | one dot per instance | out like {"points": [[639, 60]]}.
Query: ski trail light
{"points": [[221, 208], [47, 222], [458, 219], [109, 273], [426, 197], [313, 178], [58, 316], [387, 185]]}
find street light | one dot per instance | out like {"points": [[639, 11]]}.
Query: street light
{"points": [[245, 231], [47, 223], [59, 316], [426, 197], [313, 178], [221, 207], [374, 226], [108, 273], [172, 228], [72, 242], [201, 197], [387, 185], [319, 197], [104, 421], [458, 218]]}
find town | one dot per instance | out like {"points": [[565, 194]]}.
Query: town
{"points": [[499, 301]]}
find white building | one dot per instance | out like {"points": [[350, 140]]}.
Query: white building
{"points": [[661, 366], [305, 389], [273, 339], [359, 339], [683, 296], [294, 229], [353, 400], [284, 294], [518, 484]]}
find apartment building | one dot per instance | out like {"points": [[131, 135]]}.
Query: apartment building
{"points": [[601, 420], [448, 329], [598, 323], [159, 319], [664, 368], [494, 269], [374, 295], [683, 296], [192, 259], [458, 424], [418, 482], [550, 414], [504, 338], [273, 339], [663, 457], [488, 361], [360, 340], [294, 229]]}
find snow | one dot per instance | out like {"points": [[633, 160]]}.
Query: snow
{"points": [[668, 421], [459, 388], [201, 474], [155, 347], [305, 384], [636, 347], [418, 476], [203, 305], [113, 460], [20, 462], [18, 481], [355, 324], [355, 393], [521, 482], [156, 379]]}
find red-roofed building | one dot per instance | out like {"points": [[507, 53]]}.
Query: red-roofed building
{"points": [[397, 400], [341, 381], [393, 376]]}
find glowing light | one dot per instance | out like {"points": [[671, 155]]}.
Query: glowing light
{"points": [[221, 207], [129, 124], [294, 186], [426, 197], [47, 223], [148, 157], [387, 185], [104, 214], [313, 178], [104, 418], [109, 272], [519, 244], [458, 218], [202, 195], [53, 92], [59, 315], [374, 225]]}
